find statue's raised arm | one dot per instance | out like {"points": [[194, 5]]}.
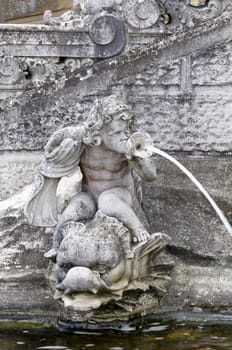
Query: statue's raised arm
{"points": [[140, 155], [62, 156]]}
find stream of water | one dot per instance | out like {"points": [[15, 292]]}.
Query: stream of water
{"points": [[142, 145], [197, 183]]}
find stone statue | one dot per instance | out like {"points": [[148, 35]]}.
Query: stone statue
{"points": [[88, 187]]}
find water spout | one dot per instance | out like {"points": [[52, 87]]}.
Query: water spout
{"points": [[163, 154]]}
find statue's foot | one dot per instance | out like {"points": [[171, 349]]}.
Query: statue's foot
{"points": [[51, 254], [140, 235]]}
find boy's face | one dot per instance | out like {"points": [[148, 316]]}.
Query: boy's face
{"points": [[116, 133]]}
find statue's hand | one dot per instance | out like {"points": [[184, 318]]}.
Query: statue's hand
{"points": [[63, 140], [60, 152], [55, 140]]}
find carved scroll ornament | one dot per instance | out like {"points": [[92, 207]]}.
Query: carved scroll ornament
{"points": [[142, 14], [194, 11]]}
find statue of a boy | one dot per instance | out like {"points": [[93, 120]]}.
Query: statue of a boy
{"points": [[102, 156]]}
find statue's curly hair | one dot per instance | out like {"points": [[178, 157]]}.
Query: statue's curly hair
{"points": [[104, 110]]}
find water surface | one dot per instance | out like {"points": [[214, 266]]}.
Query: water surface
{"points": [[155, 336]]}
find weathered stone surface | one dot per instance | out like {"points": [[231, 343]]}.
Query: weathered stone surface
{"points": [[213, 67], [194, 289], [11, 9], [24, 132], [161, 17], [175, 206], [22, 40], [177, 123], [22, 246], [24, 291], [186, 117], [16, 171], [142, 14], [201, 122], [200, 288], [158, 76]]}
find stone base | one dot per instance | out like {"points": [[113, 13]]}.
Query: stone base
{"points": [[196, 294], [201, 279]]}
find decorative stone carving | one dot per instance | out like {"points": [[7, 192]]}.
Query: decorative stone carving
{"points": [[104, 264], [191, 14], [107, 32], [154, 15], [214, 68], [47, 70], [101, 245], [146, 13], [172, 16], [13, 71], [99, 36], [100, 28], [77, 18], [158, 76], [105, 29], [142, 14]]}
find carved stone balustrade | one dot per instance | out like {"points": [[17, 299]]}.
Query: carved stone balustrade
{"points": [[48, 41]]}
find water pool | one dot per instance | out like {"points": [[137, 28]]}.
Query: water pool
{"points": [[169, 336]]}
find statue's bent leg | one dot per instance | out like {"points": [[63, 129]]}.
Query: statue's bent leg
{"points": [[80, 209], [117, 202]]}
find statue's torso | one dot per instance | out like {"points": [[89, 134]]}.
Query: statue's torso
{"points": [[104, 169]]}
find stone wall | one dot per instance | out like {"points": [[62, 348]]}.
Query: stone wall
{"points": [[179, 88]]}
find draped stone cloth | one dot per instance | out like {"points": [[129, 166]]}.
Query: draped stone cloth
{"points": [[41, 209]]}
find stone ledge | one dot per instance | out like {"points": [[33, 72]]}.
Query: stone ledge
{"points": [[196, 294], [26, 295]]}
